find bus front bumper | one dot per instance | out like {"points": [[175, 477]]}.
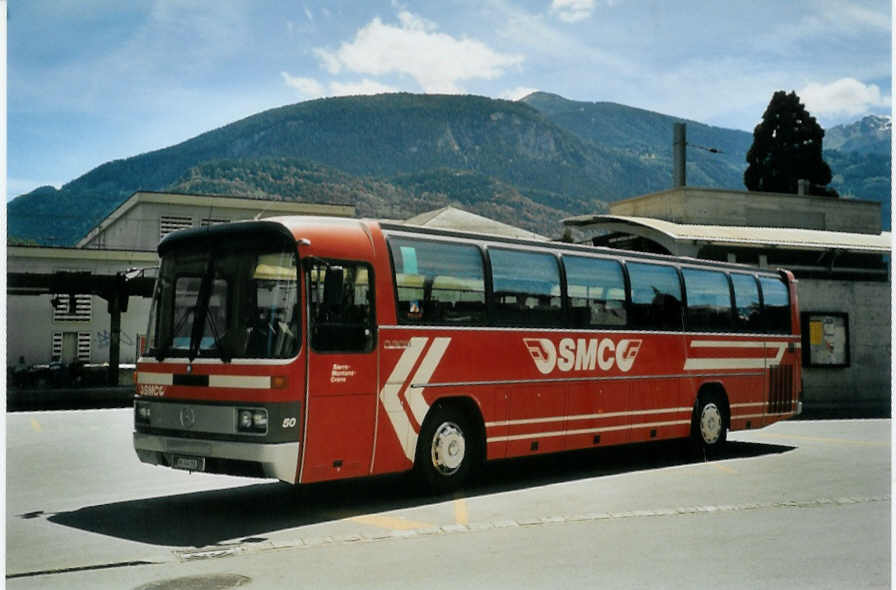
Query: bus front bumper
{"points": [[279, 461]]}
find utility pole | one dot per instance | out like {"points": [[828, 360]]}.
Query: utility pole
{"points": [[679, 159]]}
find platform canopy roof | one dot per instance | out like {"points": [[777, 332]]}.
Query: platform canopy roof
{"points": [[675, 235], [458, 219]]}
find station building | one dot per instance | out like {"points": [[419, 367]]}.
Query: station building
{"points": [[835, 248], [62, 302]]}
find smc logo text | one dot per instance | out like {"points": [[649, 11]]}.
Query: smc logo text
{"points": [[582, 354]]}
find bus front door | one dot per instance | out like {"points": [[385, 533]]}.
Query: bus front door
{"points": [[341, 365]]}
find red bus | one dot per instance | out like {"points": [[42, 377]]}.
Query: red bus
{"points": [[309, 349]]}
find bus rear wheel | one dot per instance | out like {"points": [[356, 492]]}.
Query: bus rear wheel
{"points": [[709, 427], [445, 450]]}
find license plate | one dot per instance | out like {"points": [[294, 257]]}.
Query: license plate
{"points": [[189, 463]]}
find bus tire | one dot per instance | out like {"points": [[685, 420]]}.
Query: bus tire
{"points": [[446, 449], [709, 425]]}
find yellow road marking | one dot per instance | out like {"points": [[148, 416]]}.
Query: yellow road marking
{"points": [[391, 523], [460, 511], [725, 468], [844, 441], [35, 425]]}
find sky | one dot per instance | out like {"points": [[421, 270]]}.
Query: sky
{"points": [[90, 81]]}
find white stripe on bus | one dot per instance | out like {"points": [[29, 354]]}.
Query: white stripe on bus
{"points": [[144, 378], [414, 394], [703, 364], [391, 402], [584, 417], [239, 381], [763, 415], [556, 433]]}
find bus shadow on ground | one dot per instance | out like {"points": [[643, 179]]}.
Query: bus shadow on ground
{"points": [[204, 519]]}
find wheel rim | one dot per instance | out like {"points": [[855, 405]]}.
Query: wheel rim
{"points": [[710, 423], [448, 448]]}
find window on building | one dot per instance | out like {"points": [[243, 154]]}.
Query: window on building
{"points": [[747, 317], [438, 282], [656, 297], [172, 223], [526, 287], [65, 311], [207, 221], [709, 300], [70, 346], [596, 290]]}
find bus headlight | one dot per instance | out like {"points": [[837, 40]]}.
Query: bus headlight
{"points": [[142, 412], [252, 420]]}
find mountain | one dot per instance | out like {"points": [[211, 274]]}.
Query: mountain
{"points": [[400, 197], [370, 136], [648, 135], [870, 135], [528, 163]]}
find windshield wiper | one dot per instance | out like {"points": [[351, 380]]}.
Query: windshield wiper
{"points": [[163, 349], [222, 353], [201, 315], [200, 311]]}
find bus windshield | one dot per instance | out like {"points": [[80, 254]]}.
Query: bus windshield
{"points": [[235, 300]]}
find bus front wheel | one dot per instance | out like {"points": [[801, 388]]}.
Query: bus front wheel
{"points": [[445, 450]]}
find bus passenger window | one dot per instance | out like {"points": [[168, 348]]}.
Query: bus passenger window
{"points": [[775, 305], [438, 282], [596, 290], [341, 307], [656, 297], [746, 302], [709, 300], [527, 288]]}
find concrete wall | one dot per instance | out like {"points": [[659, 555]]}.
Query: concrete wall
{"points": [[30, 322], [720, 207], [30, 328], [865, 383]]}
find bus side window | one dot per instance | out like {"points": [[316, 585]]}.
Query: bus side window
{"points": [[709, 300], [527, 288], [775, 306], [596, 290], [656, 297], [747, 307], [438, 282]]}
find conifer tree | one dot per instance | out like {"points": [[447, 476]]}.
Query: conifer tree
{"points": [[786, 148]]}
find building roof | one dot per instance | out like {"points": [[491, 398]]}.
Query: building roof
{"points": [[793, 238], [262, 206], [458, 219]]}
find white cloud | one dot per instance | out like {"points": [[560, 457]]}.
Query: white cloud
{"points": [[307, 87], [846, 96], [414, 22], [546, 41], [436, 61], [311, 88], [572, 11], [365, 86], [517, 93]]}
